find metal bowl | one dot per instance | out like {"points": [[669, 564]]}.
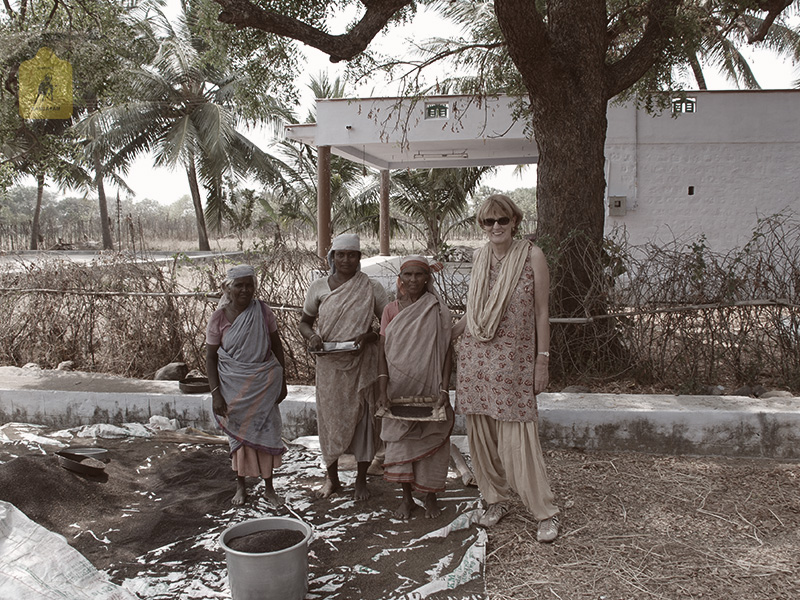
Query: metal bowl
{"points": [[195, 385], [84, 466], [78, 454]]}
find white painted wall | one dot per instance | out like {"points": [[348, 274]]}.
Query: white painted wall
{"points": [[740, 151]]}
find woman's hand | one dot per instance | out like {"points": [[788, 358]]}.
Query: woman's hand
{"points": [[363, 340], [444, 398], [541, 375], [314, 342], [383, 400], [459, 327], [218, 404]]}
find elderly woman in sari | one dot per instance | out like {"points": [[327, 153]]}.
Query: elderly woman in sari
{"points": [[244, 363], [415, 360], [503, 364], [344, 306]]}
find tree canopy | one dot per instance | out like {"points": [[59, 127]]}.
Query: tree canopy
{"points": [[571, 58]]}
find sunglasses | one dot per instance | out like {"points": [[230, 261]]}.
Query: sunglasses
{"points": [[502, 221]]}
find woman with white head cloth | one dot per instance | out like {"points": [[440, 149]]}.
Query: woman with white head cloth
{"points": [[343, 307], [244, 363]]}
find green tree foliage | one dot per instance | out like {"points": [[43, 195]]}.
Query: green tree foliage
{"points": [[434, 201], [569, 59], [92, 37], [184, 111]]}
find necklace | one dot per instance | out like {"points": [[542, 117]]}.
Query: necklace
{"points": [[499, 258]]}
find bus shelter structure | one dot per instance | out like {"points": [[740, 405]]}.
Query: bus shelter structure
{"points": [[411, 133]]}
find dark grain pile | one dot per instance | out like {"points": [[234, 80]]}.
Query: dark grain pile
{"points": [[270, 540]]}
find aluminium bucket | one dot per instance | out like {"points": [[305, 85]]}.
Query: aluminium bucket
{"points": [[279, 575]]}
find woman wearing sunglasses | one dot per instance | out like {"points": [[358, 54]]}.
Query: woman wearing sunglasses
{"points": [[502, 364]]}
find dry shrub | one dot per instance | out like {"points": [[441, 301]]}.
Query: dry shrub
{"points": [[683, 317], [114, 316], [131, 318], [674, 316], [690, 317]]}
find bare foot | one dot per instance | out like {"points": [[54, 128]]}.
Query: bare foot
{"points": [[432, 509], [328, 489], [375, 467], [274, 499], [403, 512], [362, 493], [240, 497], [468, 479]]}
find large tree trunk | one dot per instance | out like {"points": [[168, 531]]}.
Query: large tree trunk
{"points": [[202, 232], [568, 108], [570, 202], [37, 211]]}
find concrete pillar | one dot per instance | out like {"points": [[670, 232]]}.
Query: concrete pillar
{"points": [[384, 214], [323, 200]]}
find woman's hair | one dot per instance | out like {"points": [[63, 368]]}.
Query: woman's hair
{"points": [[499, 204]]}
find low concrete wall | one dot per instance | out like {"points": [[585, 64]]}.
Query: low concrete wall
{"points": [[718, 425]]}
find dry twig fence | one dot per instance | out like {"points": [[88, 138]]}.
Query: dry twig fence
{"points": [[677, 317]]}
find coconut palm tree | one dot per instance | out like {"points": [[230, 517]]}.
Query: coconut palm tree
{"points": [[184, 112], [721, 46], [434, 202], [355, 206]]}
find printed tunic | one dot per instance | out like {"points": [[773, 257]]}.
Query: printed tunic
{"points": [[495, 378]]}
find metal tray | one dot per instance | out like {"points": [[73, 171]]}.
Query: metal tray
{"points": [[336, 347], [85, 466], [78, 454]]}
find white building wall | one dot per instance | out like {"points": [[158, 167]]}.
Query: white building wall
{"points": [[739, 154]]}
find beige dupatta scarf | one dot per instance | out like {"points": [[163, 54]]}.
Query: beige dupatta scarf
{"points": [[485, 309]]}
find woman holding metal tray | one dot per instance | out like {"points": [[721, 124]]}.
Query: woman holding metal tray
{"points": [[337, 309], [414, 362]]}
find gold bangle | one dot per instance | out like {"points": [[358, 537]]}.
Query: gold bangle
{"points": [[382, 375]]}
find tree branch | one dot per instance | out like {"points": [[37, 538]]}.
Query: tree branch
{"points": [[243, 13], [773, 8], [632, 67], [526, 35]]}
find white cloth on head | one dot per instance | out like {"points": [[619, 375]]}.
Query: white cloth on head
{"points": [[235, 272], [238, 271], [344, 241]]}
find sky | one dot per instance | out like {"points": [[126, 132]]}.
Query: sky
{"points": [[166, 186]]}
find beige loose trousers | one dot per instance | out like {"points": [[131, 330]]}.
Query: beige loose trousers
{"points": [[506, 456]]}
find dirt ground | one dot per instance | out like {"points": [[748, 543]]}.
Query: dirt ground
{"points": [[639, 526], [153, 519], [633, 526]]}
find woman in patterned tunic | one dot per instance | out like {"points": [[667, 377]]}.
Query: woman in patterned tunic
{"points": [[502, 365]]}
